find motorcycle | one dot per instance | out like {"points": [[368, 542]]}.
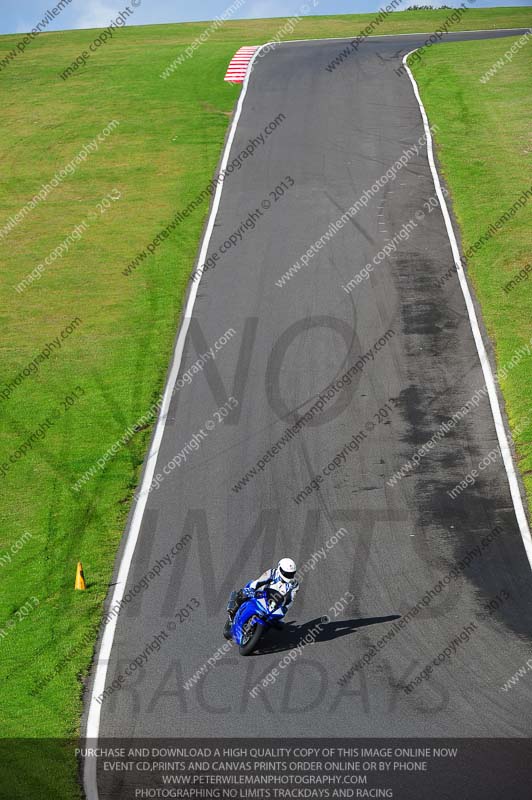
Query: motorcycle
{"points": [[256, 614]]}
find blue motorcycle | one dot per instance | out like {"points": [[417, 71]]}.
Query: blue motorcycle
{"points": [[256, 614]]}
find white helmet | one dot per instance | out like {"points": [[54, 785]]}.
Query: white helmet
{"points": [[286, 569]]}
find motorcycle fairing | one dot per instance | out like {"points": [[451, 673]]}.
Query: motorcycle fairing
{"points": [[254, 606]]}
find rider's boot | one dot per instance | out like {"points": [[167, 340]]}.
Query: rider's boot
{"points": [[235, 601], [231, 602]]}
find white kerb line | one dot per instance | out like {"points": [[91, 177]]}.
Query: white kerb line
{"points": [[484, 361]]}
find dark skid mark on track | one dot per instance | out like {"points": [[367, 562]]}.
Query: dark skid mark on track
{"points": [[434, 336], [425, 319]]}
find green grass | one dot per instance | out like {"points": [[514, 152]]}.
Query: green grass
{"points": [[159, 158], [484, 145]]}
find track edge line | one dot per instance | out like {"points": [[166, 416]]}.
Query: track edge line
{"points": [[489, 378], [92, 726]]}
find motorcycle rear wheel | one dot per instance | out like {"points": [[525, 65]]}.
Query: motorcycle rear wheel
{"points": [[247, 648]]}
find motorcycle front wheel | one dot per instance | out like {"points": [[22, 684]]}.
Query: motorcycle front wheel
{"points": [[250, 642]]}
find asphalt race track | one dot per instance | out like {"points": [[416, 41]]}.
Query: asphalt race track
{"points": [[342, 131]]}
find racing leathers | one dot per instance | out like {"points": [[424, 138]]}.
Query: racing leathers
{"points": [[270, 579]]}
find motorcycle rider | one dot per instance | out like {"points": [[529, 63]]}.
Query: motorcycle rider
{"points": [[282, 578]]}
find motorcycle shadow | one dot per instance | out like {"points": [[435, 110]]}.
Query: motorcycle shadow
{"points": [[277, 640]]}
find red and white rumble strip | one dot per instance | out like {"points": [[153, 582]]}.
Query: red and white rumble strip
{"points": [[238, 68]]}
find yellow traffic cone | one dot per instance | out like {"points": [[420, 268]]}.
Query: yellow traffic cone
{"points": [[80, 577]]}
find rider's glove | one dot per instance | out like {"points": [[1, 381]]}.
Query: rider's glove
{"points": [[248, 592]]}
